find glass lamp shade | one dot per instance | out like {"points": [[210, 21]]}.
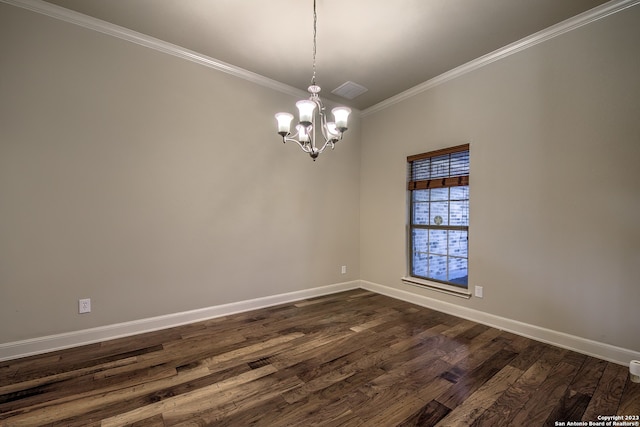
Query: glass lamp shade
{"points": [[303, 136], [284, 123], [333, 131], [341, 115], [306, 108]]}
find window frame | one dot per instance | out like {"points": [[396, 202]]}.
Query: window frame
{"points": [[448, 181]]}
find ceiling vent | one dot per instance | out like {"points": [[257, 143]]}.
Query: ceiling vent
{"points": [[349, 90]]}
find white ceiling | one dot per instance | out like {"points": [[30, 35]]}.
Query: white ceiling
{"points": [[386, 46]]}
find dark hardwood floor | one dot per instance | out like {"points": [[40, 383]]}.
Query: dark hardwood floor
{"points": [[348, 359]]}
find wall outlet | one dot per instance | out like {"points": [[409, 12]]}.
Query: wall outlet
{"points": [[84, 305], [344, 269], [479, 290]]}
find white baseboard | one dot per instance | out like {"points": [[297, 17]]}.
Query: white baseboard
{"points": [[18, 349], [600, 350]]}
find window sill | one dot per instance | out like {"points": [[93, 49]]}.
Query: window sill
{"points": [[438, 287]]}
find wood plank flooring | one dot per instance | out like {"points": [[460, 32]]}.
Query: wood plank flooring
{"points": [[350, 359]]}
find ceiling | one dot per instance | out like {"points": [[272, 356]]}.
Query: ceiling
{"points": [[385, 46]]}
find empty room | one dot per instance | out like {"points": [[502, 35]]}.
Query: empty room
{"points": [[319, 212]]}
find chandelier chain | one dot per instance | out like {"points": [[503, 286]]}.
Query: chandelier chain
{"points": [[315, 19]]}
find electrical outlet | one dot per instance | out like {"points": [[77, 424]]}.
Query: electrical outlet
{"points": [[344, 269], [84, 305], [479, 290]]}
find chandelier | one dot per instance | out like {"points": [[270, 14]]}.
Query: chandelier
{"points": [[305, 135]]}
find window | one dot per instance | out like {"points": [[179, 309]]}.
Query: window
{"points": [[438, 184]]}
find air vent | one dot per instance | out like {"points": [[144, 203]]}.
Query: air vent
{"points": [[349, 90]]}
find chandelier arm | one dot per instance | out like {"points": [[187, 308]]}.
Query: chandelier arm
{"points": [[328, 143], [323, 122], [329, 139], [323, 129], [304, 147], [290, 138], [312, 134], [323, 125]]}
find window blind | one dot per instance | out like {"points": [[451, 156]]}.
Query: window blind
{"points": [[448, 167]]}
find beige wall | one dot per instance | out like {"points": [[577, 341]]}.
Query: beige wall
{"points": [[152, 185], [555, 181]]}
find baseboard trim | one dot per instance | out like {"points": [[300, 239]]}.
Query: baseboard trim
{"points": [[600, 350], [30, 347]]}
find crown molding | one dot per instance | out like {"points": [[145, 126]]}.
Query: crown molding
{"points": [[82, 20], [570, 24], [76, 18]]}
